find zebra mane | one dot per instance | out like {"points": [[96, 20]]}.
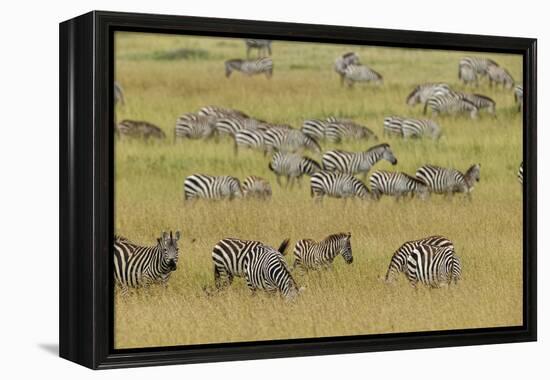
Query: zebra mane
{"points": [[383, 145], [235, 60], [413, 93], [484, 97], [339, 235], [349, 54], [120, 238]]}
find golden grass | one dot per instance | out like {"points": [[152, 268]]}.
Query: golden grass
{"points": [[348, 299]]}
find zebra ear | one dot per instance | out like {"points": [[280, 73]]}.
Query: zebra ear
{"points": [[177, 235], [165, 236]]}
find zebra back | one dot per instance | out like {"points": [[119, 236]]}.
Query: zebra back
{"points": [[337, 185], [211, 187], [397, 184], [311, 254]]}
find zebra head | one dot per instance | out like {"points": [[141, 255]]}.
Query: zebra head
{"points": [[473, 175], [168, 244], [345, 248]]}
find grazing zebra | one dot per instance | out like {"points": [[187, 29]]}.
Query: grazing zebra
{"points": [[119, 94], [419, 128], [361, 73], [447, 180], [256, 187], [211, 187], [433, 266], [139, 128], [480, 101], [450, 104], [293, 166], [228, 256], [194, 126], [220, 112], [357, 162], [251, 139], [393, 126], [470, 67], [344, 129], [231, 125], [396, 184], [518, 96], [316, 128], [398, 262], [520, 173], [137, 266], [252, 67], [337, 185], [309, 254], [261, 45], [498, 75], [289, 140], [343, 62], [423, 92], [266, 269]]}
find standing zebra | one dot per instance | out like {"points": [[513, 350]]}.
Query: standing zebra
{"points": [[250, 138], [119, 94], [261, 45], [450, 104], [518, 96], [420, 127], [211, 187], [337, 185], [480, 101], [256, 187], [398, 262], [195, 126], [251, 67], [447, 180], [220, 112], [340, 130], [343, 62], [520, 173], [361, 73], [393, 126], [309, 254], [232, 124], [396, 184], [139, 128], [293, 166], [470, 67], [433, 266], [289, 140], [316, 128], [137, 266], [498, 75], [357, 162], [421, 93], [228, 256]]}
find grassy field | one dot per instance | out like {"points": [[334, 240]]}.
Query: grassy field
{"points": [[165, 76]]}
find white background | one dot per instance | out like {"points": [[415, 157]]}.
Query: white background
{"points": [[29, 188]]}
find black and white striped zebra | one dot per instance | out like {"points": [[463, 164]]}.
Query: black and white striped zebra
{"points": [[337, 185], [263, 46], [220, 112], [448, 180], [480, 101], [119, 94], [289, 140], [343, 62], [340, 130], [293, 166], [500, 76], [518, 96], [211, 187], [250, 67], [316, 128], [310, 254], [256, 187], [137, 266], [361, 73], [433, 266], [421, 93], [139, 129], [393, 126], [396, 184], [451, 104], [195, 126], [417, 128], [250, 139], [398, 262], [520, 173], [229, 126], [228, 257], [357, 162], [470, 68]]}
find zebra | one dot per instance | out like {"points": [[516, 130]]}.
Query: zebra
{"points": [[260, 45], [316, 128], [518, 96], [498, 75], [228, 257], [451, 104], [293, 166], [480, 101], [420, 127], [211, 187], [421, 93], [194, 126], [250, 138], [232, 124], [343, 62], [357, 162], [289, 140], [447, 180], [361, 73], [250, 67], [398, 262], [119, 94], [396, 184], [256, 187], [137, 266], [520, 173], [470, 67], [433, 266], [220, 112], [309, 254], [139, 128], [393, 126], [344, 129], [337, 185]]}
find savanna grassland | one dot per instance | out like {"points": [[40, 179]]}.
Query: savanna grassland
{"points": [[165, 76]]}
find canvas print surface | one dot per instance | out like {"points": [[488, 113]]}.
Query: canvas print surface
{"points": [[272, 190]]}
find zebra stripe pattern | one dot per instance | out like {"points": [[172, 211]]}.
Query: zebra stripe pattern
{"points": [[137, 266], [343, 62], [417, 128], [256, 187], [421, 93], [396, 184], [447, 180], [309, 254], [398, 262], [220, 112], [478, 100], [360, 73], [433, 266], [393, 126], [337, 185], [293, 166], [263, 46], [251, 139], [518, 96], [451, 104], [286, 139], [469, 68], [357, 162], [139, 129], [343, 129], [250, 67], [231, 125], [499, 75], [195, 126], [316, 128], [211, 187], [520, 173]]}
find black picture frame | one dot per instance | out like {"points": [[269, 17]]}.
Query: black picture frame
{"points": [[86, 189]]}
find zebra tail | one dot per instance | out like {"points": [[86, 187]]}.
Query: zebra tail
{"points": [[284, 246], [425, 107]]}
